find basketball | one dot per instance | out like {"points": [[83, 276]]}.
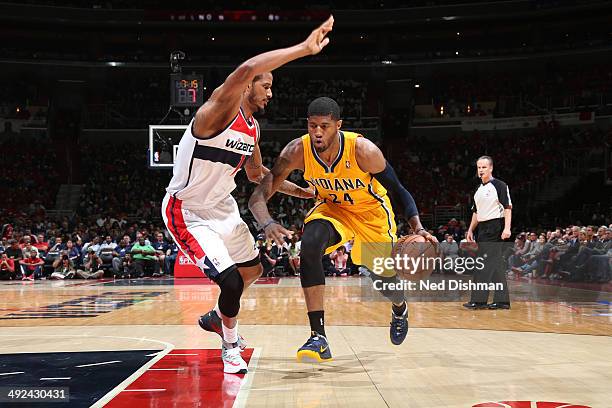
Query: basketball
{"points": [[417, 257]]}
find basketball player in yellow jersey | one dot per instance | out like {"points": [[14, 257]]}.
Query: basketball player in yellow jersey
{"points": [[351, 178]]}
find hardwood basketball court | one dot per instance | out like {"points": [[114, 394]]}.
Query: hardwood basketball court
{"points": [[137, 343]]}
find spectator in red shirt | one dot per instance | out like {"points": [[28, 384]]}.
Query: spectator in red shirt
{"points": [[7, 268], [40, 244], [339, 260], [31, 266]]}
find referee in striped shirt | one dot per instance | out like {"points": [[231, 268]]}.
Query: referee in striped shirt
{"points": [[492, 213]]}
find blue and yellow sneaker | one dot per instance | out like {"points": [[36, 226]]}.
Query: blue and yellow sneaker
{"points": [[315, 350], [399, 327], [212, 322]]}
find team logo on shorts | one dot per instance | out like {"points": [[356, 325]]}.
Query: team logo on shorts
{"points": [[183, 260], [215, 262]]}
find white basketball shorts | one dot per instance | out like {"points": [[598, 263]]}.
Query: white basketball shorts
{"points": [[213, 239]]}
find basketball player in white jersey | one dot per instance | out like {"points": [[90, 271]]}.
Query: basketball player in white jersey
{"points": [[198, 210]]}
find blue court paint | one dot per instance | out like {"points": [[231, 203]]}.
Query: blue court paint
{"points": [[86, 384]]}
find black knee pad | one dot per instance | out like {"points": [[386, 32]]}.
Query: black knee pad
{"points": [[396, 296], [231, 285], [318, 235]]}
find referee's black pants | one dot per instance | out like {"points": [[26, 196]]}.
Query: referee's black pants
{"points": [[490, 248]]}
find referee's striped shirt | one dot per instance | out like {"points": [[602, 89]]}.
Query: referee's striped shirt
{"points": [[490, 200]]}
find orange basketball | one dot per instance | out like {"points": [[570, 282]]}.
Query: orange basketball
{"points": [[417, 257]]}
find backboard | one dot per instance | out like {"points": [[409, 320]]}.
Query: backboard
{"points": [[163, 145]]}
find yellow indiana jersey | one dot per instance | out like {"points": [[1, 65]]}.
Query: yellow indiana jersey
{"points": [[343, 183], [352, 200]]}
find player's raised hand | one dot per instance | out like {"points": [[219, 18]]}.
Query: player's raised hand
{"points": [[318, 38], [277, 233]]}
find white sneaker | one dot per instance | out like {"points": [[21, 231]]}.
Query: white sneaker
{"points": [[232, 360]]}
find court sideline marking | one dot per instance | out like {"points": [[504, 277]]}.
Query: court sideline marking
{"points": [[247, 382]]}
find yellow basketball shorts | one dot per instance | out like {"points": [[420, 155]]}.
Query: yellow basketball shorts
{"points": [[373, 231]]}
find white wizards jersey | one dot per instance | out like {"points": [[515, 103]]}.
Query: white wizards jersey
{"points": [[204, 169]]}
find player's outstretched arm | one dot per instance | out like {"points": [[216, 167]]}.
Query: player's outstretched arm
{"points": [[225, 101], [291, 158], [371, 159]]}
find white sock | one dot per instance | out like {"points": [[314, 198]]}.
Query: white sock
{"points": [[216, 309], [230, 335]]}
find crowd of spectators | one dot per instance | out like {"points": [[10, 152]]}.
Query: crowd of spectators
{"points": [[74, 250], [120, 184], [143, 101], [572, 253], [29, 178], [285, 260], [504, 94], [121, 197], [120, 201], [114, 247], [124, 100], [442, 172], [117, 228], [92, 245], [291, 96]]}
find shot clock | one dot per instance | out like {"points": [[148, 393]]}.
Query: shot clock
{"points": [[186, 90]]}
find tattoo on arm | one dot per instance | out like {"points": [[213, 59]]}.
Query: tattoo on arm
{"points": [[287, 187], [267, 187], [253, 164], [259, 198], [279, 172], [292, 189]]}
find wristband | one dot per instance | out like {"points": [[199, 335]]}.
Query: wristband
{"points": [[270, 222], [419, 230]]}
